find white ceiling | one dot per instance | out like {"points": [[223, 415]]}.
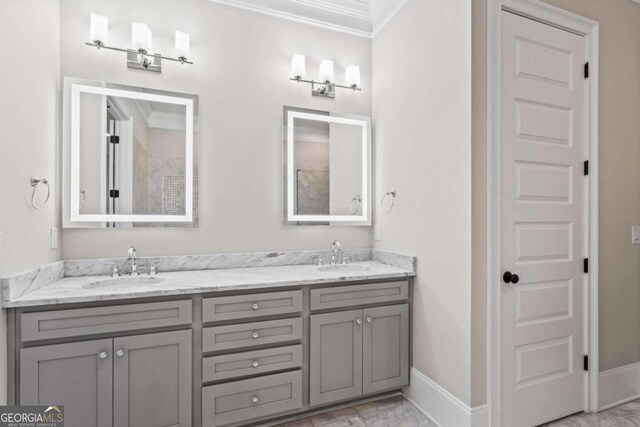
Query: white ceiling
{"points": [[359, 17]]}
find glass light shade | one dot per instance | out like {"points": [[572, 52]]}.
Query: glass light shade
{"points": [[141, 36], [99, 29], [182, 44], [353, 75], [326, 71], [298, 67]]}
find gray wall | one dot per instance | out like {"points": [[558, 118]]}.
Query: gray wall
{"points": [[422, 122], [29, 123], [241, 73]]}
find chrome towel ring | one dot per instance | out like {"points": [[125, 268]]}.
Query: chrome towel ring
{"points": [[391, 194], [35, 183], [358, 202]]}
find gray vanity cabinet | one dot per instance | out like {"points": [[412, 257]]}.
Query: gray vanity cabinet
{"points": [[76, 375], [385, 353], [134, 381], [336, 356], [358, 352], [152, 380]]}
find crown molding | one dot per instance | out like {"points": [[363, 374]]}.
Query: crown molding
{"points": [[358, 18]]}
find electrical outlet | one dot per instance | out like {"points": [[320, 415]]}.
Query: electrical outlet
{"points": [[635, 235], [54, 238], [377, 232]]}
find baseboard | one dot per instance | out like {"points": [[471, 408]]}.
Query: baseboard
{"points": [[619, 385], [442, 407]]}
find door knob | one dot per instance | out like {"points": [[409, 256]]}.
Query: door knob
{"points": [[508, 277]]}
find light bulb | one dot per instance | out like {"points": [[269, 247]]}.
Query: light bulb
{"points": [[297, 66], [99, 28], [353, 76], [141, 36], [182, 45], [326, 71]]}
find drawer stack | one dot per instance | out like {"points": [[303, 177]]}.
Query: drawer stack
{"points": [[239, 357]]}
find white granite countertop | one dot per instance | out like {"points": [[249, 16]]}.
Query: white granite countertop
{"points": [[86, 289]]}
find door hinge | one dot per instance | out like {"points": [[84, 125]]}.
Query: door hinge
{"points": [[585, 362], [585, 265], [114, 194], [586, 70], [114, 139], [586, 167]]}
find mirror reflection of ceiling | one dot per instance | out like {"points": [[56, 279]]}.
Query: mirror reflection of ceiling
{"points": [[359, 17], [161, 115]]}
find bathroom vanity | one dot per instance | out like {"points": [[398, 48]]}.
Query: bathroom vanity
{"points": [[225, 347]]}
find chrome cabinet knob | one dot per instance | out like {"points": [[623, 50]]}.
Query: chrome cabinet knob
{"points": [[120, 353], [368, 319], [255, 306], [255, 364], [103, 355], [255, 334], [255, 399], [359, 321]]}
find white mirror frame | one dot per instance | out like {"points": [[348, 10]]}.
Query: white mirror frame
{"points": [[365, 123], [75, 215]]}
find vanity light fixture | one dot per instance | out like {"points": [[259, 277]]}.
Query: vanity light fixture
{"points": [[139, 56], [324, 86]]}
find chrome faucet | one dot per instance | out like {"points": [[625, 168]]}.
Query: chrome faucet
{"points": [[133, 256], [335, 251]]}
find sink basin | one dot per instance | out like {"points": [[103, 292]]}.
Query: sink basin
{"points": [[123, 281], [344, 267]]}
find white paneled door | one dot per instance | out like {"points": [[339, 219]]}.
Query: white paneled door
{"points": [[543, 217]]}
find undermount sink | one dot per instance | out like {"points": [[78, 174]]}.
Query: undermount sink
{"points": [[344, 267], [123, 281]]}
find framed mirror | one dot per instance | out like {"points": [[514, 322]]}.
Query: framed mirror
{"points": [[129, 157], [327, 168]]}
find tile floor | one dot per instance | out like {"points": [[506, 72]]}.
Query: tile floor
{"points": [[398, 412], [627, 415], [394, 411]]}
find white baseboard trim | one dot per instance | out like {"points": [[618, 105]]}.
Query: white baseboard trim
{"points": [[442, 407], [619, 385]]}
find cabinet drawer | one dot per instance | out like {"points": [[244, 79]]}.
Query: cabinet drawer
{"points": [[254, 305], [250, 334], [248, 399], [348, 296], [99, 320], [251, 362]]}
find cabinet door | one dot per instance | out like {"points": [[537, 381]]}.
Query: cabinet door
{"points": [[152, 380], [76, 375], [336, 356], [386, 348]]}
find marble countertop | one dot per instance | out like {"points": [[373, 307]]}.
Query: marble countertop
{"points": [[86, 289]]}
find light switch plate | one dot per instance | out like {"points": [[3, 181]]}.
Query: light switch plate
{"points": [[377, 232], [635, 235], [54, 238]]}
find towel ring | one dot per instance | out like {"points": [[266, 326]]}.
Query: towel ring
{"points": [[391, 194], [35, 183], [358, 200]]}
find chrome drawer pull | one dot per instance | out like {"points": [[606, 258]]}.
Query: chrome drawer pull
{"points": [[255, 399], [255, 334], [255, 306], [255, 364], [103, 355]]}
